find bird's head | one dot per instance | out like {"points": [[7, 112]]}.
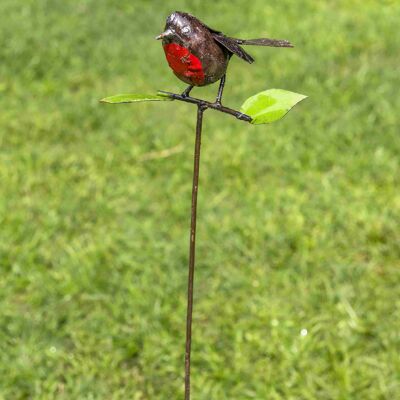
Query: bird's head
{"points": [[178, 28]]}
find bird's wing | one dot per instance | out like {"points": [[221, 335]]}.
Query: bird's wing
{"points": [[232, 46], [264, 42]]}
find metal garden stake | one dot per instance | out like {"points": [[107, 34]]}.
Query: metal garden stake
{"points": [[199, 56]]}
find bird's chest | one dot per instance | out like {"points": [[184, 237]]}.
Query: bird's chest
{"points": [[185, 65]]}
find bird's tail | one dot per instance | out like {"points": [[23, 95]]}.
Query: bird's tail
{"points": [[264, 42]]}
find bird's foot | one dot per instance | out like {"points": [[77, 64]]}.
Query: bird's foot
{"points": [[217, 103], [187, 91]]}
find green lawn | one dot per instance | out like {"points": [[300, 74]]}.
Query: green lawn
{"points": [[299, 221]]}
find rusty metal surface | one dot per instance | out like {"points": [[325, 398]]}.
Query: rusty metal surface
{"points": [[192, 247]]}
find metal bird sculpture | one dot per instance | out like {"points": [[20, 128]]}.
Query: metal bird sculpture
{"points": [[199, 55]]}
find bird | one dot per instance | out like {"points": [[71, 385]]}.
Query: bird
{"points": [[199, 55]]}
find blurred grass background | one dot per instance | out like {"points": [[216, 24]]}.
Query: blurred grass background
{"points": [[297, 285]]}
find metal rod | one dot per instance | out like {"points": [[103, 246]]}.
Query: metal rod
{"points": [[202, 106], [192, 247]]}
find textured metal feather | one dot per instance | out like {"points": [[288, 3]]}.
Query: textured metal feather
{"points": [[233, 46], [264, 42]]}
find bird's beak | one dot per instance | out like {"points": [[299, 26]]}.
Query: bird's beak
{"points": [[168, 32]]}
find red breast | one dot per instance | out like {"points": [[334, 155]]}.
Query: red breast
{"points": [[185, 65]]}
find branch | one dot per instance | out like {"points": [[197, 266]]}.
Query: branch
{"points": [[206, 104], [263, 108]]}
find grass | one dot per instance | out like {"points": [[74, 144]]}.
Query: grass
{"points": [[298, 222]]}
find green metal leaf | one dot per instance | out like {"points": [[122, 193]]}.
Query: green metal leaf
{"points": [[270, 105], [135, 97]]}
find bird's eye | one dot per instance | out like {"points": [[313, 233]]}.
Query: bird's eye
{"points": [[185, 29]]}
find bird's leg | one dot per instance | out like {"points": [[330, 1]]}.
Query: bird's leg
{"points": [[187, 91], [220, 90]]}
